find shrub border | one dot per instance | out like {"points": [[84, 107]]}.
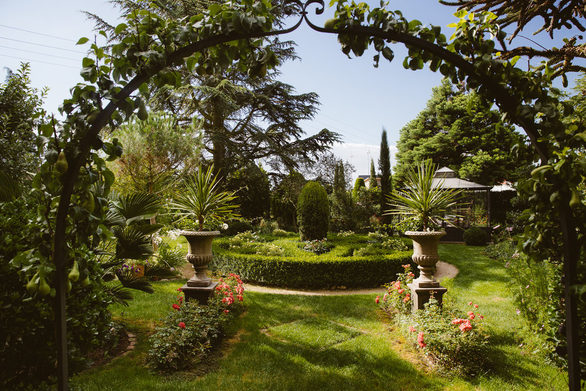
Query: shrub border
{"points": [[322, 272]]}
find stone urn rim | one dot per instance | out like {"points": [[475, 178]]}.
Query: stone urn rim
{"points": [[416, 234], [199, 233]]}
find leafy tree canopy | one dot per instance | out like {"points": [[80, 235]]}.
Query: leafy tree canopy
{"points": [[21, 113], [323, 170], [156, 152], [460, 131]]}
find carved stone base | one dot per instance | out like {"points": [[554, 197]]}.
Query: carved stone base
{"points": [[199, 293], [420, 295]]}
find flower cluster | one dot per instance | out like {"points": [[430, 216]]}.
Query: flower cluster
{"points": [[226, 290], [398, 295], [191, 330], [467, 324], [131, 270], [448, 340]]}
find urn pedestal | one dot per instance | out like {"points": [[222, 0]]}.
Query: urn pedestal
{"points": [[425, 255], [199, 287]]}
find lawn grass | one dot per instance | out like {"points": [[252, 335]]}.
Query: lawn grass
{"points": [[288, 342]]}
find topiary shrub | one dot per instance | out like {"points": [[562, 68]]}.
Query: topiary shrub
{"points": [[476, 236], [313, 212]]}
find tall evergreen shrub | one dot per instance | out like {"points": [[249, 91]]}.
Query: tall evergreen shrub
{"points": [[313, 212]]}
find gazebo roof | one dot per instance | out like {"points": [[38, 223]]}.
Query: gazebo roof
{"points": [[451, 181], [504, 186]]}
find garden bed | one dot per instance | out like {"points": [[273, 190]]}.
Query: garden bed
{"points": [[355, 261]]}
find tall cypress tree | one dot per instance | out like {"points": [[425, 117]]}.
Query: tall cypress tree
{"points": [[373, 181], [339, 180], [384, 165]]}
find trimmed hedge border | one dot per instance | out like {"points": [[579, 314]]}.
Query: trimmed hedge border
{"points": [[322, 272]]}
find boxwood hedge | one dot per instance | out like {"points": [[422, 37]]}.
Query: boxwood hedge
{"points": [[311, 272]]}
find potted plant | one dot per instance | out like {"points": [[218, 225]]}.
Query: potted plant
{"points": [[202, 205], [425, 203]]}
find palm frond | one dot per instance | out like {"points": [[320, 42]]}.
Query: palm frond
{"points": [[132, 243], [202, 199], [423, 200], [134, 207], [132, 282], [119, 294]]}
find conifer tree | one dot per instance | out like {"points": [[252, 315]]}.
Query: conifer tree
{"points": [[373, 181], [384, 165]]}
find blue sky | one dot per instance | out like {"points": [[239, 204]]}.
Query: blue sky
{"points": [[357, 100]]}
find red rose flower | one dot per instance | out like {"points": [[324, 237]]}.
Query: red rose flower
{"points": [[420, 340], [176, 307], [377, 299], [182, 325]]}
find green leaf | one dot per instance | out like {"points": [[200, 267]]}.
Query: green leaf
{"points": [[46, 130], [82, 40], [121, 27], [414, 24], [388, 54], [190, 63], [214, 9], [87, 62]]}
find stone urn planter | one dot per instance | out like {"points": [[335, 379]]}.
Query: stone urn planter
{"points": [[425, 255], [199, 254]]}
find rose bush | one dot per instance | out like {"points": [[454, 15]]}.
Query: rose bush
{"points": [[455, 342], [190, 330], [398, 295]]}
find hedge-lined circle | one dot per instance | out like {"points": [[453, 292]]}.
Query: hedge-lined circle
{"points": [[323, 272]]}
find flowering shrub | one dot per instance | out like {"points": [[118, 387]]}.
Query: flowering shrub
{"points": [[398, 295], [190, 330], [317, 246], [454, 342]]}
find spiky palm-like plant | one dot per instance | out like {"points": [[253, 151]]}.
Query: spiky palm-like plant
{"points": [[422, 200], [202, 199]]}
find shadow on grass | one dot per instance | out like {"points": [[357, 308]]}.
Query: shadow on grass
{"points": [[359, 363]]}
